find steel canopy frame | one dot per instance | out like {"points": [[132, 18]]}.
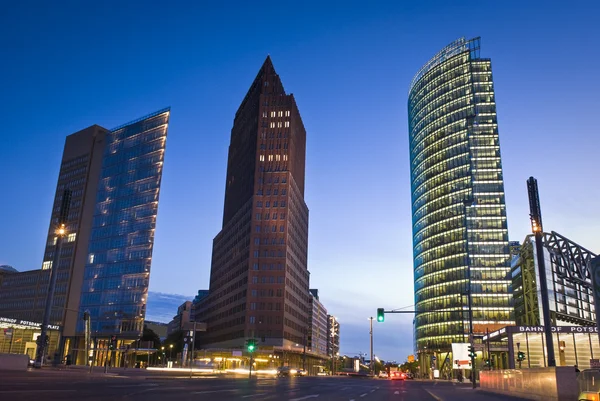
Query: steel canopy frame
{"points": [[572, 261]]}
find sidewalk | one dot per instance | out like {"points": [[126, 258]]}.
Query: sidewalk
{"points": [[461, 393]]}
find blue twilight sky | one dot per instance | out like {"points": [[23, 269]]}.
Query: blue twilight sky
{"points": [[66, 65]]}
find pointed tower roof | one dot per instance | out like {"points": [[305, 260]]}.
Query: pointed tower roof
{"points": [[267, 82], [270, 82]]}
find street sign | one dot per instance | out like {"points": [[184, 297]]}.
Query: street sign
{"points": [[190, 326], [460, 356], [411, 358], [8, 333]]}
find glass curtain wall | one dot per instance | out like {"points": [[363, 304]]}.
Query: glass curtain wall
{"points": [[458, 205], [117, 271]]}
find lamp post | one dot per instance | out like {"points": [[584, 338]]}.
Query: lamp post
{"points": [[162, 350], [304, 353], [170, 351], [537, 228], [61, 231], [371, 333], [467, 203]]}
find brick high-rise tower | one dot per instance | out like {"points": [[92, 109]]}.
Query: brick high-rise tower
{"points": [[259, 277]]}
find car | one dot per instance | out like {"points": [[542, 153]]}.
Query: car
{"points": [[397, 376], [301, 372], [284, 371]]}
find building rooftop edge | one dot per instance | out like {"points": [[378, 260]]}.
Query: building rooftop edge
{"points": [[156, 113], [460, 45]]}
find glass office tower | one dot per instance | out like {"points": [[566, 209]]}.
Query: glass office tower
{"points": [[460, 238], [119, 256]]}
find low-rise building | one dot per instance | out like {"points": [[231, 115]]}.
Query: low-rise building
{"points": [[571, 301], [159, 328], [571, 305], [317, 333], [181, 319]]}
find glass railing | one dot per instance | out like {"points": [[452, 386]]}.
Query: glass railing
{"points": [[589, 381]]}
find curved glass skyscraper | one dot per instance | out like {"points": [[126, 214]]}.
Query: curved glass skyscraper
{"points": [[460, 238]]}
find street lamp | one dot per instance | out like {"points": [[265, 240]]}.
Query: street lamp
{"points": [[162, 350], [371, 332], [467, 203], [170, 351], [43, 340]]}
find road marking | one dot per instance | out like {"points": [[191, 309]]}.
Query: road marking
{"points": [[372, 391], [396, 392], [211, 391], [305, 398], [362, 395], [433, 395], [135, 385], [36, 391], [253, 395]]}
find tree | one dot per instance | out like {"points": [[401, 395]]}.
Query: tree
{"points": [[410, 367], [175, 338], [150, 335], [378, 367]]}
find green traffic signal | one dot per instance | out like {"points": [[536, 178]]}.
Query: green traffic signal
{"points": [[380, 315], [251, 345]]}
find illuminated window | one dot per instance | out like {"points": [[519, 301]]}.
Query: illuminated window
{"points": [[46, 265], [287, 123], [91, 258], [287, 113], [272, 114], [280, 114], [71, 237], [262, 158]]}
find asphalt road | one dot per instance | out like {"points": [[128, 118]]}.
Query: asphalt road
{"points": [[49, 386]]}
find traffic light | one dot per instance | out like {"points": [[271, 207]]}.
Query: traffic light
{"points": [[472, 353], [86, 316], [251, 345], [113, 343], [380, 315], [521, 356]]}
